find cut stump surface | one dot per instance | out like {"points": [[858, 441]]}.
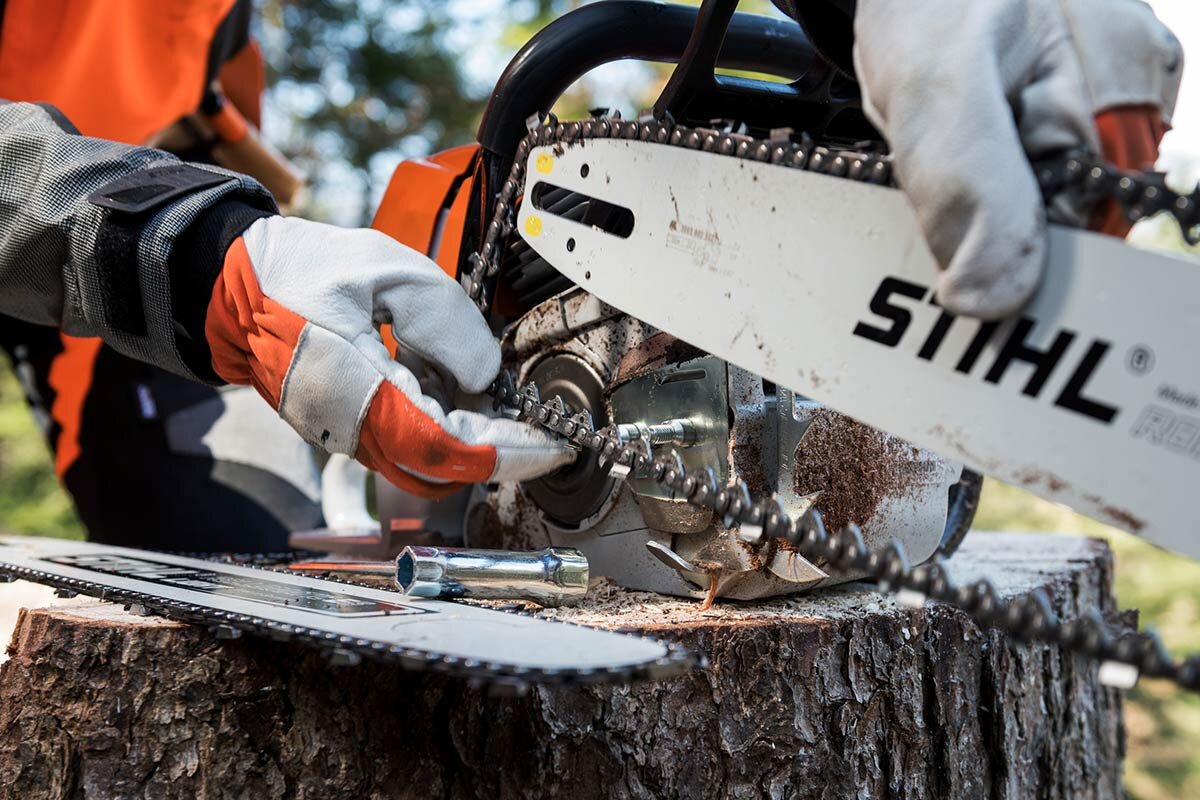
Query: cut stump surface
{"points": [[834, 695]]}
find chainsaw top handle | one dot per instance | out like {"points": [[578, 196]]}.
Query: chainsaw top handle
{"points": [[698, 40]]}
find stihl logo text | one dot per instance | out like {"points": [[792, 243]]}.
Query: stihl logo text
{"points": [[1014, 349]]}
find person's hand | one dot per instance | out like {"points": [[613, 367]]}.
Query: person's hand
{"points": [[294, 313], [968, 92]]}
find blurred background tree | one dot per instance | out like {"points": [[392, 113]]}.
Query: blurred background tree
{"points": [[356, 86], [359, 85]]}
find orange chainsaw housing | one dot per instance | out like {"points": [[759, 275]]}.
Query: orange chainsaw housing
{"points": [[425, 207]]}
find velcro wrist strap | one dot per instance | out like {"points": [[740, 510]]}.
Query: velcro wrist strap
{"points": [[152, 188]]}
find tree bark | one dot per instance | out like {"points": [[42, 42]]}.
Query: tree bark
{"points": [[835, 695]]}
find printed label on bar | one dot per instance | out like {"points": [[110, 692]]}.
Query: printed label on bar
{"points": [[258, 589]]}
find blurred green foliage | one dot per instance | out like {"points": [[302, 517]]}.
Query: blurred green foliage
{"points": [[1163, 723], [359, 85], [31, 501]]}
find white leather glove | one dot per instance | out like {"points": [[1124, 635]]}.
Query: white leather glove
{"points": [[967, 92], [294, 313]]}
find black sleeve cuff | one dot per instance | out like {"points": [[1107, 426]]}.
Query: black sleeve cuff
{"points": [[196, 260]]}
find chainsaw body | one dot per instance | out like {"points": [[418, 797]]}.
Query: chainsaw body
{"points": [[671, 397], [653, 388]]}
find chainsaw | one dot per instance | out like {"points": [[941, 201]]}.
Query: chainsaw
{"points": [[588, 354], [653, 282], [714, 301]]}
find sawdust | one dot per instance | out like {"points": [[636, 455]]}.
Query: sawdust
{"points": [[1120, 517], [755, 554], [1124, 518], [853, 466], [1032, 477], [609, 606], [1025, 562], [714, 583], [748, 458], [762, 555]]}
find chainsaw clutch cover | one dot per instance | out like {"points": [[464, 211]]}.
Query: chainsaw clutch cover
{"points": [[669, 397]]}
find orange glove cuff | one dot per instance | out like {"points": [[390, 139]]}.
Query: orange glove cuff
{"points": [[1129, 139], [252, 338]]}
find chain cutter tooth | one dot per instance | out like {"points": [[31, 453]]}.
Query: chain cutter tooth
{"points": [[504, 391], [738, 505]]}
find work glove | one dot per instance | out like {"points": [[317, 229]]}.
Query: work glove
{"points": [[968, 92], [294, 312]]}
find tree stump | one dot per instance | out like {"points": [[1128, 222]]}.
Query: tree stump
{"points": [[834, 695]]}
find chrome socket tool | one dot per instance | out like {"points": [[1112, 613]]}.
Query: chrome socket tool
{"points": [[555, 576]]}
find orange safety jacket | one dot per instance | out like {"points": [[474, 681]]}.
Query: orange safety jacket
{"points": [[122, 70]]}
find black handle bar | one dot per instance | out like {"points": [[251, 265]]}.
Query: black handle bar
{"points": [[616, 30]]}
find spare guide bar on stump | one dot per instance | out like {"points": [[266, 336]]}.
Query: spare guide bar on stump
{"points": [[349, 621]]}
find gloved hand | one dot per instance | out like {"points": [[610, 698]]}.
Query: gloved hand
{"points": [[967, 92], [293, 312]]}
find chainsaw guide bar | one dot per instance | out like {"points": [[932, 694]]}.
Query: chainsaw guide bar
{"points": [[348, 621]]}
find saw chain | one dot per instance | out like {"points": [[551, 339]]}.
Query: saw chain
{"points": [[1123, 655]]}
